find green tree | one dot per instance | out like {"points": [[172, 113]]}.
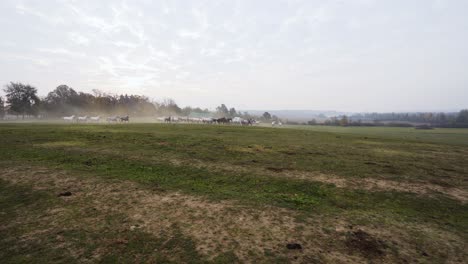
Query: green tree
{"points": [[222, 110], [169, 107], [344, 121], [266, 116], [232, 112], [22, 98], [312, 122], [2, 108], [62, 100], [463, 116]]}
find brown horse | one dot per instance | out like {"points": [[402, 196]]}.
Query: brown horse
{"points": [[223, 120], [125, 119]]}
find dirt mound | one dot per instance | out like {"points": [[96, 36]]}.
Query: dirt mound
{"points": [[365, 244]]}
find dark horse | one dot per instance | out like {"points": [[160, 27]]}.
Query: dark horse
{"points": [[125, 119], [223, 120]]}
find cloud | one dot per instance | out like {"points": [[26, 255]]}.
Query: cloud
{"points": [[8, 43], [35, 60], [27, 10], [210, 52], [188, 34], [92, 21], [78, 39], [123, 44], [123, 18], [439, 4], [176, 48], [62, 51]]}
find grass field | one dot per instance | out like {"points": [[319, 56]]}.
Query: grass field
{"points": [[223, 194]]}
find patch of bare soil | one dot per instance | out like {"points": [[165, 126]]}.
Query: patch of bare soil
{"points": [[365, 244], [374, 184], [253, 234]]}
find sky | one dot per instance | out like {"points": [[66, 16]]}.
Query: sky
{"points": [[345, 55]]}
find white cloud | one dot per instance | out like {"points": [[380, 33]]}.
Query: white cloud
{"points": [[62, 51], [35, 60], [176, 48], [439, 4], [78, 39], [123, 44], [27, 10], [188, 34], [8, 43]]}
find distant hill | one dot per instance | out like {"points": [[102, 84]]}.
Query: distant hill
{"points": [[298, 115]]}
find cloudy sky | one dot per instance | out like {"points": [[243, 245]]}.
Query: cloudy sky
{"points": [[348, 55]]}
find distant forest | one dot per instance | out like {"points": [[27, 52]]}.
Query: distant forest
{"points": [[22, 101], [429, 119]]}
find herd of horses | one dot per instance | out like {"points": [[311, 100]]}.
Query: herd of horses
{"points": [[208, 120], [168, 119], [96, 119]]}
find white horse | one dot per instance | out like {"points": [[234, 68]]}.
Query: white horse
{"points": [[207, 120], [276, 123], [193, 120], [82, 118], [237, 120], [69, 118], [95, 119]]}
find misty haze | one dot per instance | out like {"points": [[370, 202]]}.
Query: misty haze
{"points": [[282, 131]]}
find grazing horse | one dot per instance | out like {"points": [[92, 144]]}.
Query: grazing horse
{"points": [[95, 119], [125, 119], [82, 118], [113, 119], [69, 118]]}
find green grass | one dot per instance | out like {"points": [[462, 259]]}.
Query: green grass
{"points": [[151, 146], [348, 155], [169, 157], [455, 136]]}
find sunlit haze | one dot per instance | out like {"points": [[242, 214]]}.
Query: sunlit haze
{"points": [[354, 55]]}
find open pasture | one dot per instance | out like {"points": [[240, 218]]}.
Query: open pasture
{"points": [[198, 193]]}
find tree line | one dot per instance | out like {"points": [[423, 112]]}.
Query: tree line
{"points": [[22, 100], [439, 119]]}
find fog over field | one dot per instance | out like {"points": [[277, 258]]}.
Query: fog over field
{"points": [[349, 56]]}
